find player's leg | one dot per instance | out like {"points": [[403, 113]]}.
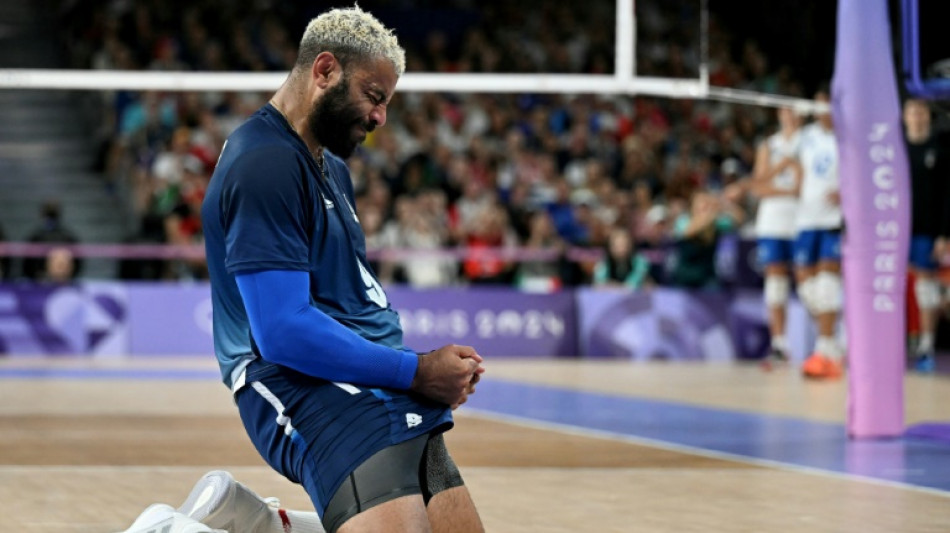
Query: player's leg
{"points": [[829, 297], [406, 513], [448, 503], [774, 255], [807, 248], [828, 301], [453, 510], [805, 255], [927, 293]]}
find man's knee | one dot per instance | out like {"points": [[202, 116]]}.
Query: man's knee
{"points": [[828, 292], [927, 292], [776, 290], [806, 293]]}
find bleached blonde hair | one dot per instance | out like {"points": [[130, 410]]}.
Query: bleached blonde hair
{"points": [[351, 35]]}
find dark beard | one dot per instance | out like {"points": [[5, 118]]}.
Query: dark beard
{"points": [[333, 118]]}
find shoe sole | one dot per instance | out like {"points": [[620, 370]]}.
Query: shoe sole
{"points": [[207, 496], [158, 518]]}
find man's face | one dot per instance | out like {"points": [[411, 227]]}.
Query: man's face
{"points": [[825, 116], [916, 115], [351, 108]]}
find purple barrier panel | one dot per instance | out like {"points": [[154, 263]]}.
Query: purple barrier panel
{"points": [[669, 324], [106, 318], [169, 319], [82, 318], [496, 321], [41, 320]]}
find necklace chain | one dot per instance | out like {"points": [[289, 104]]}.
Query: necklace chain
{"points": [[322, 164]]}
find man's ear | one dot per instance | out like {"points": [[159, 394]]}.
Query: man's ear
{"points": [[325, 69]]}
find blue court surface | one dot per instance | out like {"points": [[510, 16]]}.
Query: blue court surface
{"points": [[776, 441], [768, 440]]}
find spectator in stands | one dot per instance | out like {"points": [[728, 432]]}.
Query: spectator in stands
{"points": [[151, 231], [4, 259], [60, 266], [183, 221], [544, 273], [514, 146], [649, 220], [622, 265], [51, 230], [565, 213], [378, 242], [424, 228], [469, 210], [696, 235], [488, 235]]}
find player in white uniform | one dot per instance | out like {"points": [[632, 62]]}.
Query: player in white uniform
{"points": [[776, 181], [818, 246]]}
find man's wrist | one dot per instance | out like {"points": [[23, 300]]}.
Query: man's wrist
{"points": [[409, 369]]}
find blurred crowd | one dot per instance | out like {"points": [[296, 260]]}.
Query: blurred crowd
{"points": [[649, 184]]}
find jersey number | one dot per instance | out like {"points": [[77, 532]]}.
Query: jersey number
{"points": [[373, 290]]}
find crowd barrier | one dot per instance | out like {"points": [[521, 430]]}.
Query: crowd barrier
{"points": [[116, 319]]}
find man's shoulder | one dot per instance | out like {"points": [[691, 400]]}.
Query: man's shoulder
{"points": [[810, 130], [941, 138], [257, 137], [814, 135]]}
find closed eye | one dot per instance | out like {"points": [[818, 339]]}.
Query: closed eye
{"points": [[376, 98]]}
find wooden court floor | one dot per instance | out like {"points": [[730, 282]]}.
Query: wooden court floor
{"points": [[81, 454]]}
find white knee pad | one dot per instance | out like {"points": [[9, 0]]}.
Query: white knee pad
{"points": [[776, 291], [828, 292], [806, 294], [927, 291]]}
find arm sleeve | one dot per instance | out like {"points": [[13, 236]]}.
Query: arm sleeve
{"points": [[292, 333]]}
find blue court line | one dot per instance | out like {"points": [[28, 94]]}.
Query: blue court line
{"points": [[787, 440]]}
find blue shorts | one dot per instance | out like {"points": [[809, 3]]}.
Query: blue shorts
{"points": [[316, 433], [922, 253], [813, 246], [772, 251]]}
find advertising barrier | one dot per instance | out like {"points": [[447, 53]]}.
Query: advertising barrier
{"points": [[158, 319]]}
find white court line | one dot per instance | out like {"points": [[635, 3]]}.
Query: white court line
{"points": [[530, 423], [663, 445]]}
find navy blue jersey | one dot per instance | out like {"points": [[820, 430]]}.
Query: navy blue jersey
{"points": [[929, 163], [269, 207]]}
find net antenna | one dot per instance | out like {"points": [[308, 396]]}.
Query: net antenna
{"points": [[624, 80]]}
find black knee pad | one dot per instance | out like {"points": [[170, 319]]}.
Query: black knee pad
{"points": [[438, 471]]}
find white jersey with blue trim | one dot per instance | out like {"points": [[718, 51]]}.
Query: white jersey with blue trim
{"points": [[819, 160], [775, 217]]}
